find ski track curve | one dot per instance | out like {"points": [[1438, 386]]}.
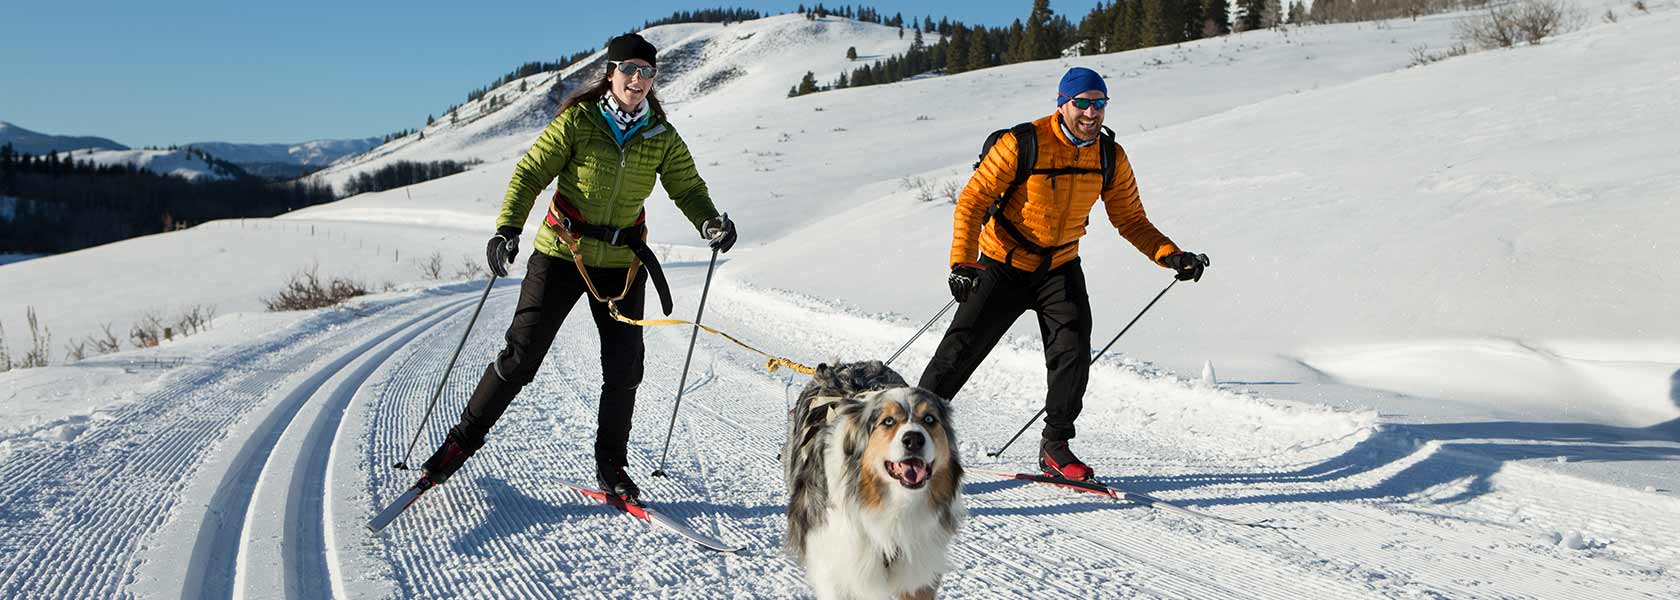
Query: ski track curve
{"points": [[307, 573], [69, 537]]}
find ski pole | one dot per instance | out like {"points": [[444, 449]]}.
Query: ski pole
{"points": [[923, 330], [683, 381], [1123, 331], [403, 464]]}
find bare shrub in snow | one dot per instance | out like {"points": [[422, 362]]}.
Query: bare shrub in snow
{"points": [[1495, 29], [306, 290], [471, 267], [5, 355], [1506, 25], [952, 190], [432, 266], [147, 330], [75, 351], [195, 318], [40, 342], [1639, 5], [106, 344], [923, 188], [1539, 19], [1421, 55]]}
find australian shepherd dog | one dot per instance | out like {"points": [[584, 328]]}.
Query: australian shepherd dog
{"points": [[873, 484]]}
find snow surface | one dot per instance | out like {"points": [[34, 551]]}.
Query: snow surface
{"points": [[1439, 309]]}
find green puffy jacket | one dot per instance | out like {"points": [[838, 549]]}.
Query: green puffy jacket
{"points": [[607, 183]]}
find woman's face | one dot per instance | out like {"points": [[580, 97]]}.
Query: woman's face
{"points": [[630, 88]]}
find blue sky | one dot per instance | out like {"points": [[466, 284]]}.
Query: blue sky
{"points": [[160, 73]]}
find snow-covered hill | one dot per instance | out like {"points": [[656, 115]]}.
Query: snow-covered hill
{"points": [[184, 163], [287, 160], [24, 140], [703, 67], [1439, 308]]}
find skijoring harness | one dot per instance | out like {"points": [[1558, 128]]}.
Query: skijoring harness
{"points": [[569, 223]]}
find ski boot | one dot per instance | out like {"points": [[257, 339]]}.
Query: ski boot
{"points": [[446, 460], [614, 481], [1056, 460]]}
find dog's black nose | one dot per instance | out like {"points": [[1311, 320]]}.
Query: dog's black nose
{"points": [[913, 440]]}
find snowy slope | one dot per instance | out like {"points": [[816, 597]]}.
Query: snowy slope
{"points": [[1433, 234], [741, 62], [24, 140], [180, 163]]}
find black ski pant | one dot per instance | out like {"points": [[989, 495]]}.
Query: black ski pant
{"points": [[1064, 321], [552, 286]]}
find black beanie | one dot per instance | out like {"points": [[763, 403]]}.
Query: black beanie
{"points": [[630, 45]]}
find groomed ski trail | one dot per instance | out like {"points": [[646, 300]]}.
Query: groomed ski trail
{"points": [[290, 438]]}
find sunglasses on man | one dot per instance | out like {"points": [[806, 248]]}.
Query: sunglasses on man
{"points": [[627, 67], [1084, 103]]}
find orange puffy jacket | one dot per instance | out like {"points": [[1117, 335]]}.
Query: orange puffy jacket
{"points": [[1051, 210]]}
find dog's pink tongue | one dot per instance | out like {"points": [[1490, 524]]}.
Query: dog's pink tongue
{"points": [[913, 471]]}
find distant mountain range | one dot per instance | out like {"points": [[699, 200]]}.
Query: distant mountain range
{"points": [[277, 161], [24, 140]]}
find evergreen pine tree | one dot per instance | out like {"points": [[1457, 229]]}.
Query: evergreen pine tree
{"points": [[851, 53], [1158, 23], [1017, 44], [1253, 14], [956, 49], [1273, 13], [1189, 18], [979, 50], [1216, 18], [1035, 40], [429, 120], [807, 85], [1135, 23]]}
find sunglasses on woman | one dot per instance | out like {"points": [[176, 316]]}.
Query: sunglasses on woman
{"points": [[1084, 103], [627, 67]]}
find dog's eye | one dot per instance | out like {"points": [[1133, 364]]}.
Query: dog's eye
{"points": [[928, 419], [889, 422]]}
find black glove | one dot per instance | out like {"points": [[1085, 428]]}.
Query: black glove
{"points": [[720, 231], [1189, 266], [501, 250], [963, 279]]}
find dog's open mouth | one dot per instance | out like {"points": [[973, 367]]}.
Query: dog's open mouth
{"points": [[912, 473]]}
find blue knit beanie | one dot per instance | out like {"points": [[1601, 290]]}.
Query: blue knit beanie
{"points": [[1079, 80]]}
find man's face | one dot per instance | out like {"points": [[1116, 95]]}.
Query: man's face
{"points": [[1085, 123]]}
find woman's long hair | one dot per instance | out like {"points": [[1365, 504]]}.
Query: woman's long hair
{"points": [[601, 88]]}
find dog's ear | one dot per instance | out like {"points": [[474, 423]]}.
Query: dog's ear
{"points": [[855, 418]]}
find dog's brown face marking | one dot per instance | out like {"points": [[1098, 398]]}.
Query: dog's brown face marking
{"points": [[887, 419]]}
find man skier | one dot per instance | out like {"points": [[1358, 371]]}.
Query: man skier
{"points": [[1016, 248]]}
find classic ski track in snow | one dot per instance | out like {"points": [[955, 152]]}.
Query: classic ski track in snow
{"points": [[505, 527], [294, 481], [85, 514], [320, 410]]}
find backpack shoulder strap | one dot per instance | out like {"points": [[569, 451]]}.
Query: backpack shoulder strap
{"points": [[1026, 153], [1108, 151]]}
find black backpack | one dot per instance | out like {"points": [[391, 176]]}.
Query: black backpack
{"points": [[1026, 161]]}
